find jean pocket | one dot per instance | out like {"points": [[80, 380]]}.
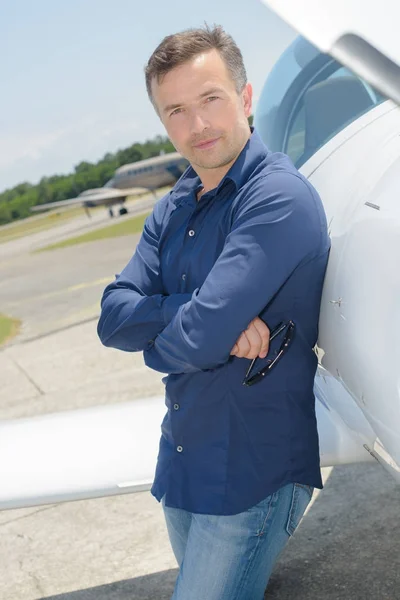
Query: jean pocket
{"points": [[301, 497]]}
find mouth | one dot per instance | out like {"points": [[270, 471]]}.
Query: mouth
{"points": [[207, 144]]}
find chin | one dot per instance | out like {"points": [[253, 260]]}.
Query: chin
{"points": [[213, 163]]}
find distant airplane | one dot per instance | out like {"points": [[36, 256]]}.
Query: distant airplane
{"points": [[129, 180]]}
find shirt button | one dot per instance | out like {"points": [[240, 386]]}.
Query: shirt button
{"points": [[179, 448], [184, 276], [191, 233], [176, 406]]}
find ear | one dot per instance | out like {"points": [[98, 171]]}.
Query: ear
{"points": [[247, 98]]}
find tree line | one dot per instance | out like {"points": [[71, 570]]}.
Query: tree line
{"points": [[16, 203]]}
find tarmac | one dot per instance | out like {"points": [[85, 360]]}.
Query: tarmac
{"points": [[117, 548]]}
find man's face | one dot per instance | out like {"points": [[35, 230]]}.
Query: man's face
{"points": [[205, 117]]}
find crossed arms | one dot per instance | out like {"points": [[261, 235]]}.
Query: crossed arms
{"points": [[271, 236]]}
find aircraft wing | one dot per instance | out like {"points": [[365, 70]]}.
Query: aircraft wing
{"points": [[60, 203], [110, 450], [78, 454], [361, 35], [92, 198]]}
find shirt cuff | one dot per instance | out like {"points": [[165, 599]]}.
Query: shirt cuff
{"points": [[171, 305]]}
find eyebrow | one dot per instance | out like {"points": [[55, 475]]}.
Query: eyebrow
{"points": [[209, 92]]}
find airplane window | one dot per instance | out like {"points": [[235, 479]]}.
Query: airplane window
{"points": [[307, 99], [325, 109], [273, 106], [296, 139]]}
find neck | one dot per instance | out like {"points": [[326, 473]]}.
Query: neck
{"points": [[210, 178], [200, 193]]}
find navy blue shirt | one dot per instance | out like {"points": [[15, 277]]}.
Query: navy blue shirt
{"points": [[256, 245]]}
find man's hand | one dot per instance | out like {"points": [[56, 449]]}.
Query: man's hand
{"points": [[253, 342]]}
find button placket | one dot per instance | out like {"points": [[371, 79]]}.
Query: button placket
{"points": [[191, 234]]}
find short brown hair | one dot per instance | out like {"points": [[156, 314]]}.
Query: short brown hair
{"points": [[176, 49]]}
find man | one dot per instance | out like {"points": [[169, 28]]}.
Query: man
{"points": [[239, 246]]}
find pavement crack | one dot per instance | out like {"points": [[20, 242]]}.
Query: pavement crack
{"points": [[37, 583], [33, 577], [26, 374], [45, 334], [28, 515]]}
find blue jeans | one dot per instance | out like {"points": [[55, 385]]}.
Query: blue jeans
{"points": [[231, 557]]}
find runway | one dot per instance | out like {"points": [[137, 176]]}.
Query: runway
{"points": [[117, 548], [51, 290]]}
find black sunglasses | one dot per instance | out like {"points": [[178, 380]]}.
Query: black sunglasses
{"points": [[290, 326]]}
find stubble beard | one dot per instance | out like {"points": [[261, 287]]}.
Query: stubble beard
{"points": [[221, 159]]}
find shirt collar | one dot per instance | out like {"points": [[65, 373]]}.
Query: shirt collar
{"points": [[249, 158]]}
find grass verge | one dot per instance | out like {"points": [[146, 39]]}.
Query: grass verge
{"points": [[8, 328], [35, 225], [126, 227]]}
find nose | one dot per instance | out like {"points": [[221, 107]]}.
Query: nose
{"points": [[198, 123]]}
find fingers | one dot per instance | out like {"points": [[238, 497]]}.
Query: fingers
{"points": [[248, 344], [254, 340], [264, 334], [242, 345]]}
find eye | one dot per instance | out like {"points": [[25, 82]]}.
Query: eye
{"points": [[176, 111], [212, 98]]}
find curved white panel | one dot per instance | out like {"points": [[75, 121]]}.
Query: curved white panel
{"points": [[104, 451], [79, 454]]}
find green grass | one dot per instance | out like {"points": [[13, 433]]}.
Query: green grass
{"points": [[28, 226], [126, 227], [53, 218], [8, 328]]}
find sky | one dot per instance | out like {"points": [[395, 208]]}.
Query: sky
{"points": [[72, 80]]}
